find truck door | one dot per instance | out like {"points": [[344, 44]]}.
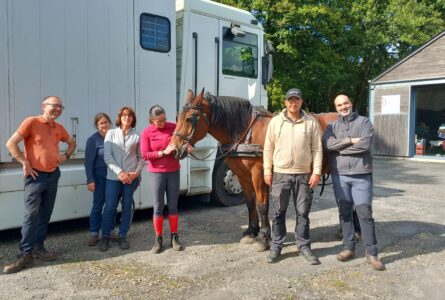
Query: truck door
{"points": [[155, 68], [199, 71]]}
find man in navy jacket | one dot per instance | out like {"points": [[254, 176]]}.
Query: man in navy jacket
{"points": [[348, 142]]}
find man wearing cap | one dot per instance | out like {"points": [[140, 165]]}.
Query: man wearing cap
{"points": [[292, 165], [348, 141], [41, 136]]}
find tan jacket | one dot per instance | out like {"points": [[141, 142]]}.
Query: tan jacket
{"points": [[293, 147]]}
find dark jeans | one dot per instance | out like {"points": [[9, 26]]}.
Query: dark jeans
{"points": [[113, 190], [283, 185], [98, 204], [164, 184], [40, 195], [355, 191]]}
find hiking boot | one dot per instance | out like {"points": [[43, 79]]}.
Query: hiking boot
{"points": [[273, 256], [104, 244], [40, 252], [23, 261], [309, 256], [123, 243], [93, 240], [376, 263], [157, 246], [345, 255], [175, 244]]}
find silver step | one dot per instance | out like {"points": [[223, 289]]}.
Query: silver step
{"points": [[197, 190]]}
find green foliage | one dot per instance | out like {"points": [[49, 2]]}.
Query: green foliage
{"points": [[328, 47]]}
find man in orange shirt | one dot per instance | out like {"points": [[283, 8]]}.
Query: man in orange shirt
{"points": [[41, 136]]}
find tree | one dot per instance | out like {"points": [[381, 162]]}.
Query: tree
{"points": [[328, 47]]}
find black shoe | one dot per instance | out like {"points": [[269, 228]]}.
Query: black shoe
{"points": [[23, 261], [309, 256], [104, 244], [157, 246], [93, 240], [174, 243], [273, 256], [123, 243]]}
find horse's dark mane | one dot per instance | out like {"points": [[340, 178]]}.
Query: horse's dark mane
{"points": [[232, 114]]}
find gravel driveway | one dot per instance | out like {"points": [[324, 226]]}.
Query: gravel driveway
{"points": [[409, 208]]}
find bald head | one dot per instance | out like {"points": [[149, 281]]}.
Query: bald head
{"points": [[343, 105]]}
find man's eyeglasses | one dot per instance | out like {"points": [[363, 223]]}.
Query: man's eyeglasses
{"points": [[59, 106]]}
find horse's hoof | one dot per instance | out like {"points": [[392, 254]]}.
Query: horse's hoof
{"points": [[261, 246], [247, 239]]}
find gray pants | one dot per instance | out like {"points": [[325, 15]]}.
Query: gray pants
{"points": [[161, 184], [283, 185], [350, 191]]}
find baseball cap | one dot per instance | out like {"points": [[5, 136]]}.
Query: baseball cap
{"points": [[293, 93]]}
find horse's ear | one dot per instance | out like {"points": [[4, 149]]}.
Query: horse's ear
{"points": [[189, 97], [200, 96]]}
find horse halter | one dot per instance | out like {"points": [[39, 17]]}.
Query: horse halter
{"points": [[194, 119]]}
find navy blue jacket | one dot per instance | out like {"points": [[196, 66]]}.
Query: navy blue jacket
{"points": [[94, 158], [346, 158]]}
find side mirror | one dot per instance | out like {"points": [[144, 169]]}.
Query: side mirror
{"points": [[268, 47], [267, 63], [236, 30]]}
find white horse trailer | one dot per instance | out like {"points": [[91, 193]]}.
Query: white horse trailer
{"points": [[101, 55]]}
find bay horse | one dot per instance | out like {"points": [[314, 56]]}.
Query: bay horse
{"points": [[241, 129]]}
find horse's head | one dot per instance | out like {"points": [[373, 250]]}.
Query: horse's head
{"points": [[192, 124]]}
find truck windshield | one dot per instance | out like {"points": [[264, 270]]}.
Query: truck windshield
{"points": [[240, 54]]}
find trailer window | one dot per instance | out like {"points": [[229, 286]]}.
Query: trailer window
{"points": [[155, 33], [240, 54]]}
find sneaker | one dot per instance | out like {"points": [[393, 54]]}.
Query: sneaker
{"points": [[376, 263], [273, 256], [157, 246], [309, 256], [23, 261], [123, 243], [345, 255], [175, 244], [104, 244], [40, 252], [93, 240]]}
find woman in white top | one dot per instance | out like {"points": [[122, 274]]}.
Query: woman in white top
{"points": [[124, 165]]}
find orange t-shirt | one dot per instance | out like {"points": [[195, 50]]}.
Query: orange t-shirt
{"points": [[42, 142]]}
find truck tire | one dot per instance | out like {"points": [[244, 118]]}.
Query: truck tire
{"points": [[226, 189]]}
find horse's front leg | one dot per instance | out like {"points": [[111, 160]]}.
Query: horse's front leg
{"points": [[252, 230]]}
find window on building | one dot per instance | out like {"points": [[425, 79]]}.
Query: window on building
{"points": [[155, 34], [240, 54]]}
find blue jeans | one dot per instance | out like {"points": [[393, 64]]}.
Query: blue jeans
{"points": [[355, 191], [113, 190], [98, 204], [40, 195]]}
